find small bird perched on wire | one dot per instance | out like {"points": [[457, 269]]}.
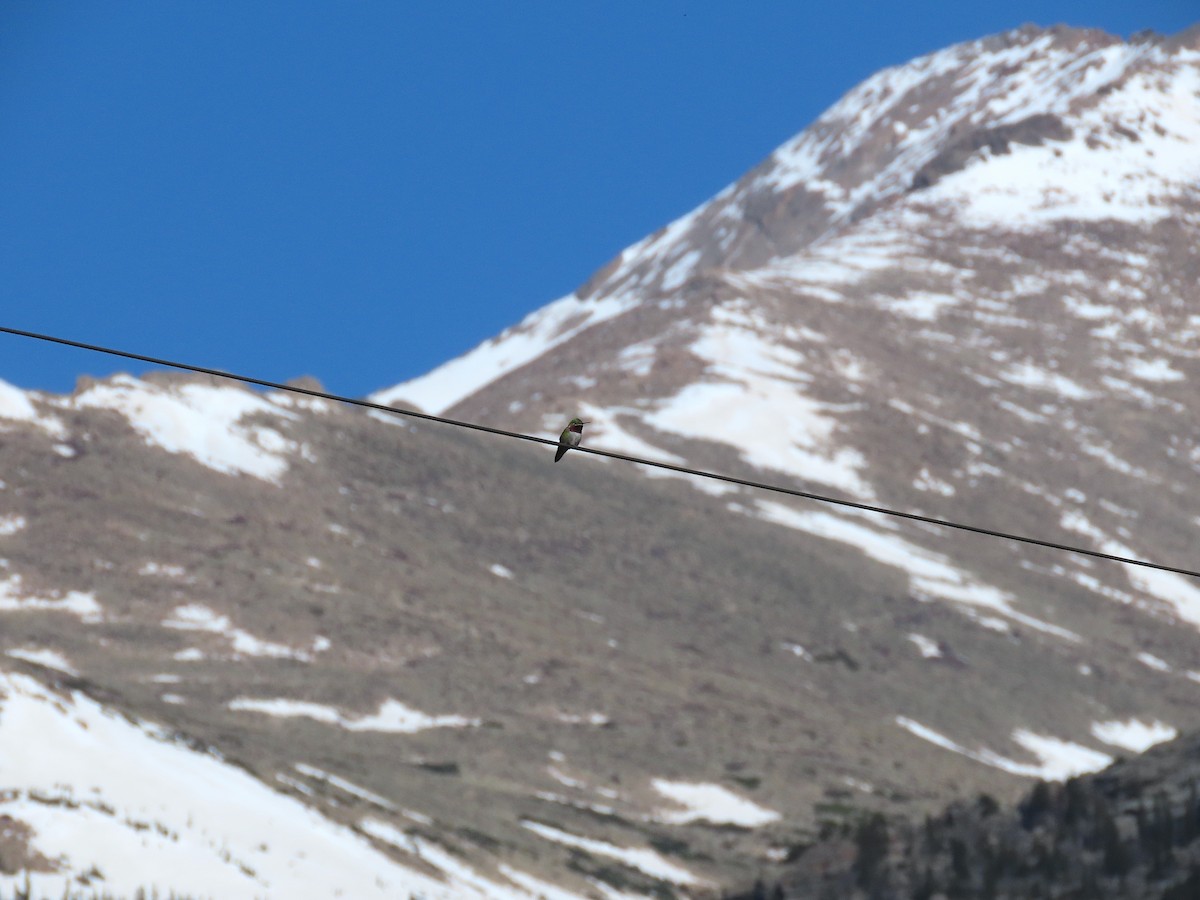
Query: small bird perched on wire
{"points": [[570, 437]]}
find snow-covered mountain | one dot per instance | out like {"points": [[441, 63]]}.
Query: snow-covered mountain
{"points": [[968, 289], [262, 645]]}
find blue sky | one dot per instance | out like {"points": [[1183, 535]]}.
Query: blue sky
{"points": [[360, 191]]}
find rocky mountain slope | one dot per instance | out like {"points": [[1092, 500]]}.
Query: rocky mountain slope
{"points": [[967, 290], [347, 653]]}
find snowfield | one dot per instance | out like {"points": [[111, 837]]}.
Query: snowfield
{"points": [[147, 812], [106, 794]]}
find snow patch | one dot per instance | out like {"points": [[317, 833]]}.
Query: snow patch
{"points": [[680, 270], [78, 603], [1134, 735], [543, 890], [201, 421], [928, 648], [51, 659], [290, 400], [15, 406], [754, 402], [1028, 375], [165, 570], [638, 359], [1153, 370], [926, 481], [1057, 759], [393, 716], [566, 780], [342, 784], [1178, 592], [826, 269], [920, 305], [710, 803], [10, 525], [645, 860], [591, 718], [796, 650], [466, 881], [1150, 661], [450, 383], [195, 617], [929, 573]]}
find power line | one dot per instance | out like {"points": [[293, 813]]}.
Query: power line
{"points": [[730, 479]]}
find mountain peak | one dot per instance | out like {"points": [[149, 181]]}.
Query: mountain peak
{"points": [[1020, 129]]}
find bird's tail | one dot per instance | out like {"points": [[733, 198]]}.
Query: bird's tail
{"points": [[561, 450]]}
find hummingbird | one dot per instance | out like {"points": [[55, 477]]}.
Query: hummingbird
{"points": [[570, 437]]}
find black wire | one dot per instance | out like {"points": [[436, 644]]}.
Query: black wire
{"points": [[744, 482]]}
